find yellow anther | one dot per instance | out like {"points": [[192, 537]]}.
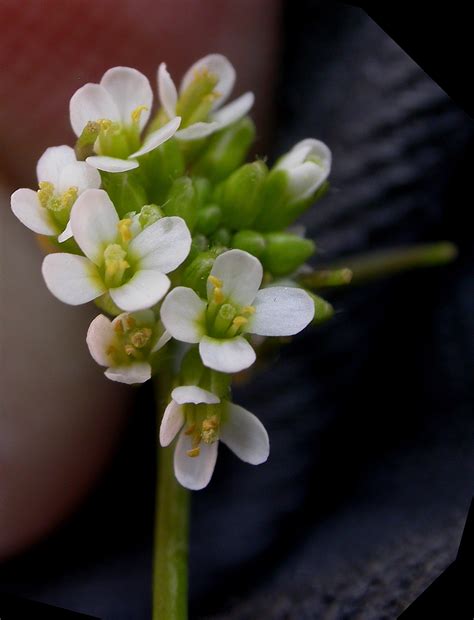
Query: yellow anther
{"points": [[124, 228], [218, 296], [190, 430], [210, 427], [115, 265], [194, 452], [130, 350], [248, 310], [118, 328], [104, 123], [130, 321], [216, 282], [239, 321], [69, 197], [45, 192], [137, 112], [141, 337]]}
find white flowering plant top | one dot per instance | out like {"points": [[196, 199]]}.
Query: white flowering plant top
{"points": [[185, 247]]}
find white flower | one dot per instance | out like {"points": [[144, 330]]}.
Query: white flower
{"points": [[130, 266], [308, 165], [212, 116], [121, 104], [125, 344], [61, 180], [204, 421], [235, 306]]}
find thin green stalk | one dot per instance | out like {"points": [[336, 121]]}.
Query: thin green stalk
{"points": [[170, 554], [364, 268]]}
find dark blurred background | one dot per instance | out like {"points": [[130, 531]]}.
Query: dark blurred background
{"points": [[364, 498]]}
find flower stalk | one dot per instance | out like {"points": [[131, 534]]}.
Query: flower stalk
{"points": [[171, 531]]}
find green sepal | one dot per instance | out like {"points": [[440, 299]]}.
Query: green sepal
{"points": [[160, 168], [182, 201], [250, 241], [197, 272], [285, 252], [226, 151], [323, 310], [125, 189], [105, 303], [208, 219], [239, 195], [273, 199]]}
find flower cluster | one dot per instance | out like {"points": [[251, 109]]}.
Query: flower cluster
{"points": [[186, 248]]}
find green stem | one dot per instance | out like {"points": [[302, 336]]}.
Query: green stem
{"points": [[364, 268], [170, 558]]}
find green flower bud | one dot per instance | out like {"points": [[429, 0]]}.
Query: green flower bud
{"points": [[285, 252], [208, 219], [125, 190], [222, 237], [226, 150], [182, 201], [239, 195], [273, 200], [203, 189], [196, 273], [160, 168], [323, 310], [149, 214], [250, 241]]}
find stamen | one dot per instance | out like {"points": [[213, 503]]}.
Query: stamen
{"points": [[239, 321], [216, 282], [141, 337], [68, 198], [218, 296], [124, 228], [45, 193], [118, 328], [210, 428], [104, 124], [190, 430], [130, 321], [194, 452], [115, 265], [130, 350], [248, 310], [137, 112]]}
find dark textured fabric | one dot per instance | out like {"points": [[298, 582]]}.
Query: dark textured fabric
{"points": [[363, 500]]}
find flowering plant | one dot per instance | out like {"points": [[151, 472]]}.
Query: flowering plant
{"points": [[187, 250]]}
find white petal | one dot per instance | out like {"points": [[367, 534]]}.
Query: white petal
{"points": [[26, 206], [194, 472], [233, 112], [241, 274], [129, 90], [91, 103], [94, 223], [162, 340], [66, 234], [100, 336], [182, 314], [245, 435], [138, 372], [78, 174], [305, 179], [280, 311], [144, 290], [197, 131], [193, 394], [173, 420], [220, 66], [72, 279], [159, 136], [167, 91], [111, 164], [52, 162], [230, 355], [163, 245]]}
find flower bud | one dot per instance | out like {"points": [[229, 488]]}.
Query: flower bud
{"points": [[203, 189], [222, 237], [160, 167], [197, 272], [294, 183], [323, 310], [250, 241], [208, 219], [182, 201], [239, 195], [285, 252], [125, 190], [226, 150], [149, 214]]}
